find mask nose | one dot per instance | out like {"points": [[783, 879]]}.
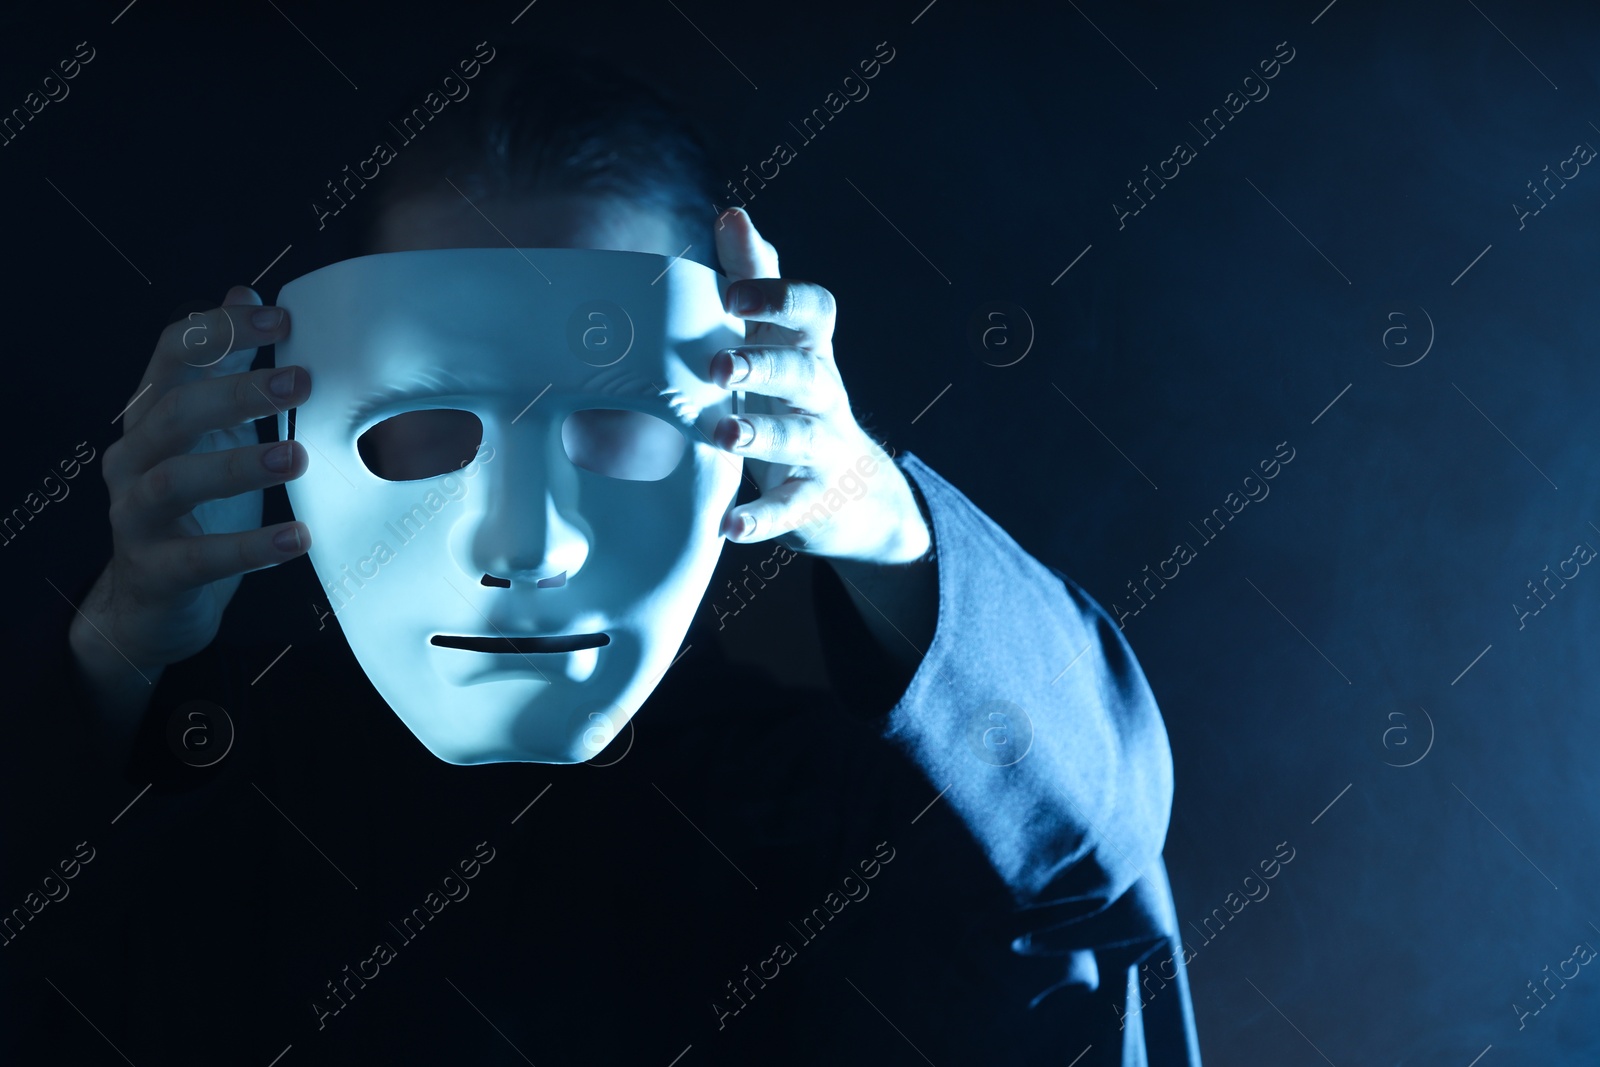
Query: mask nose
{"points": [[529, 532]]}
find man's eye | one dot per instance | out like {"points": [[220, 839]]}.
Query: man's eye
{"points": [[421, 444], [630, 445]]}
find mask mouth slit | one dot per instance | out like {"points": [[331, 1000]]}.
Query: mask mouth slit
{"points": [[553, 582], [522, 645]]}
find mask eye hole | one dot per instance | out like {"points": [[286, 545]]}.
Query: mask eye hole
{"points": [[631, 445], [421, 444]]}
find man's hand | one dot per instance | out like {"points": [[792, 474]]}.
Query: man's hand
{"points": [[826, 487], [185, 481], [824, 482]]}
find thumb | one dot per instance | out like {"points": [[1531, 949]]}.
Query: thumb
{"points": [[742, 251]]}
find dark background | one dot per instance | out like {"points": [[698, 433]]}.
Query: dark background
{"points": [[1293, 657]]}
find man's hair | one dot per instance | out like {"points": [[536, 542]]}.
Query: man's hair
{"points": [[552, 120]]}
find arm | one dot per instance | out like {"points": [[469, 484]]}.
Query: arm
{"points": [[899, 602], [1075, 826], [1028, 708], [116, 721], [982, 637]]}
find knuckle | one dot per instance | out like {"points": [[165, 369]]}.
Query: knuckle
{"points": [[160, 485], [805, 374], [771, 434], [118, 513], [164, 414], [111, 467], [826, 305], [233, 470], [781, 436], [133, 569], [244, 390], [798, 437], [759, 370], [816, 388], [793, 300], [812, 433], [190, 557]]}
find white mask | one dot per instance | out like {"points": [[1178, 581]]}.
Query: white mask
{"points": [[601, 523]]}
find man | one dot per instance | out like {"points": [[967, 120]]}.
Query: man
{"points": [[706, 891]]}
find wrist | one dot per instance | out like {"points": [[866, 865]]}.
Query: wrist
{"points": [[910, 537], [911, 543], [119, 690]]}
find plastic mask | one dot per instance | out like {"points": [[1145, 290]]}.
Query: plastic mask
{"points": [[513, 495]]}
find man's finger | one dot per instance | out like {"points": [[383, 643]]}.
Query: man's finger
{"points": [[806, 308], [176, 422], [208, 344], [785, 440], [804, 380], [179, 564], [741, 250], [785, 507]]}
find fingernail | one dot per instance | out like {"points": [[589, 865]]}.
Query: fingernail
{"points": [[282, 383], [266, 318], [745, 299], [279, 458], [739, 526], [287, 539], [741, 367], [747, 433]]}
